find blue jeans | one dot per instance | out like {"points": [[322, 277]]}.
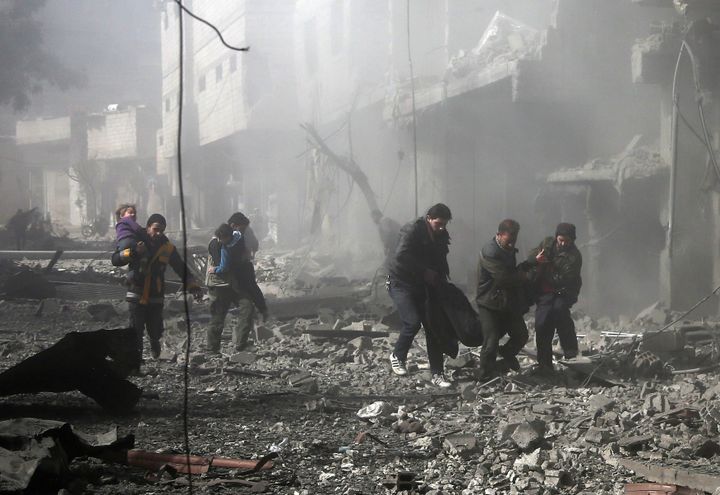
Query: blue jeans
{"points": [[410, 304]]}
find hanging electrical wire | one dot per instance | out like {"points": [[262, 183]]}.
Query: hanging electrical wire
{"points": [[211, 26], [183, 219], [685, 47], [183, 229]]}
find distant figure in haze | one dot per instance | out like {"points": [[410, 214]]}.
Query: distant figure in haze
{"points": [[557, 263], [389, 231], [260, 223], [18, 225]]}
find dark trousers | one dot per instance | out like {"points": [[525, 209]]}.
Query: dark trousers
{"points": [[145, 317], [553, 313], [221, 300], [410, 304], [496, 324]]}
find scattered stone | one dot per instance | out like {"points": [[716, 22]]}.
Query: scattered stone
{"points": [[529, 434], [600, 402], [461, 361], [244, 358], [599, 436], [468, 392], [462, 445]]}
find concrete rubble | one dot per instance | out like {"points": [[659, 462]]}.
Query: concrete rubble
{"points": [[340, 422]]}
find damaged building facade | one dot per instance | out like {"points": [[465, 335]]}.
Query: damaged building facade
{"points": [[241, 136], [504, 95], [80, 150]]}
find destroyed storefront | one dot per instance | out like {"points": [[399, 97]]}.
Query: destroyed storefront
{"points": [[679, 59], [521, 104], [618, 206]]}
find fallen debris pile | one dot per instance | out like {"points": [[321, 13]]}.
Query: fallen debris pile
{"points": [[316, 391]]}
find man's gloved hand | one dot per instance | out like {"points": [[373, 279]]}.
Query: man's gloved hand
{"points": [[431, 277]]}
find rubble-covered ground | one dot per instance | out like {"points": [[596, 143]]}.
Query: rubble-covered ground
{"points": [[342, 423]]}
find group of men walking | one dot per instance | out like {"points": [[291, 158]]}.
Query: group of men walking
{"points": [[417, 266], [549, 278], [230, 278]]}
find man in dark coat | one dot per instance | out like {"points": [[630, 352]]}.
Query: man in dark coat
{"points": [[557, 263], [501, 299], [19, 224], [419, 262]]}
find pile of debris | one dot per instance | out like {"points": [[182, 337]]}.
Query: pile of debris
{"points": [[314, 393]]}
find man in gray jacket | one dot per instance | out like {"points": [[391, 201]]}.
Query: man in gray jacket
{"points": [[501, 299]]}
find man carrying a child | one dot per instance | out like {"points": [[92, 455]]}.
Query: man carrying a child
{"points": [[148, 253], [231, 281]]}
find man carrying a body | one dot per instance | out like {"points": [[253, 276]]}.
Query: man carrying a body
{"points": [[419, 262]]}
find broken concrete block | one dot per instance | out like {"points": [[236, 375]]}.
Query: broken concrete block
{"points": [[635, 442], [600, 402], [468, 392], [547, 409], [462, 361], [505, 431], [599, 436], [529, 461], [298, 379], [410, 425], [462, 445], [656, 403], [529, 434], [243, 358], [556, 478], [361, 343], [263, 333]]}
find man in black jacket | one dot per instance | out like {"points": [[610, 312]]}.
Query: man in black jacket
{"points": [[557, 263], [419, 261], [501, 299]]}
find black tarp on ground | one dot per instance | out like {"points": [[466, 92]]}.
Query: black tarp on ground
{"points": [[94, 363]]}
